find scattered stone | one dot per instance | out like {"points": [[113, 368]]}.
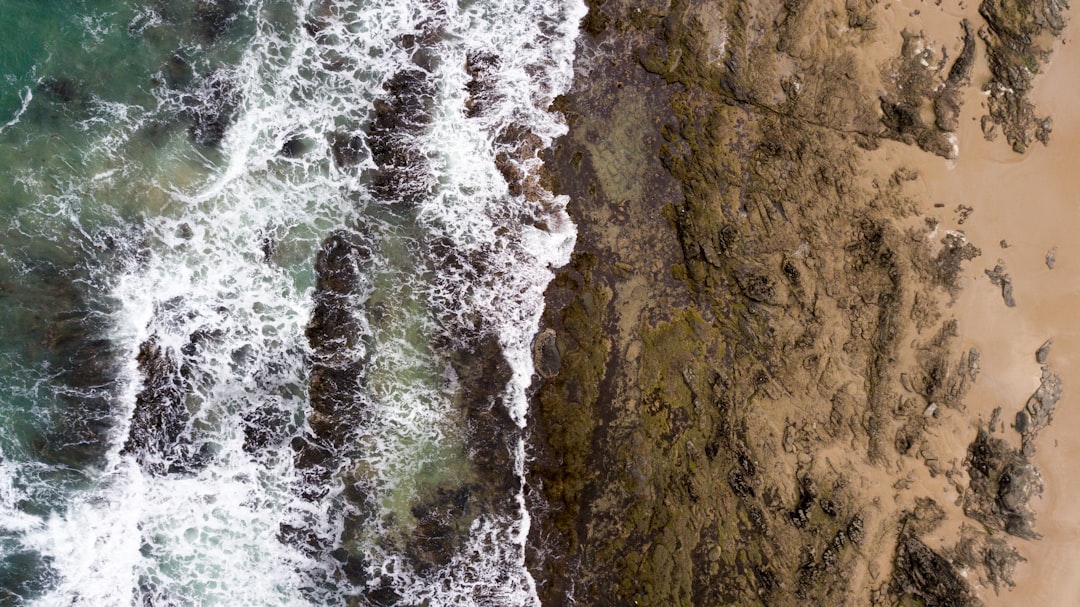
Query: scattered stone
{"points": [[1051, 258], [964, 211]]}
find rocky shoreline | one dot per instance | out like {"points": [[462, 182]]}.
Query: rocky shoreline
{"points": [[751, 383]]}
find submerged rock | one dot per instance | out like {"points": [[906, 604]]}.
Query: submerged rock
{"points": [[215, 18], [210, 105]]}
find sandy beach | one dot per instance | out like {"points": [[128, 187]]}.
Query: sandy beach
{"points": [[1029, 203]]}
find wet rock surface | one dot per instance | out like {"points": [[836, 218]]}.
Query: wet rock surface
{"points": [[392, 138], [335, 334], [159, 436]]}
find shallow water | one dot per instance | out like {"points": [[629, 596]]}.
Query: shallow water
{"points": [[171, 171]]}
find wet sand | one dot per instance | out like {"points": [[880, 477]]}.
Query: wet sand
{"points": [[1031, 203]]}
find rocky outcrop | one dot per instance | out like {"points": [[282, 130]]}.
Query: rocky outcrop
{"points": [[1016, 36], [159, 436], [1002, 484], [918, 78], [927, 578], [1038, 411], [335, 334], [392, 137]]}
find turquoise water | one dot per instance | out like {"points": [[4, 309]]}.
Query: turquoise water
{"points": [[170, 171]]}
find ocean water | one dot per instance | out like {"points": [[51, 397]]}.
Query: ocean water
{"points": [[269, 275]]}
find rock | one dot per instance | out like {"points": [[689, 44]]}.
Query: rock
{"points": [[401, 173], [999, 278], [1051, 258], [295, 147], [441, 526], [1014, 35], [336, 337], [546, 355], [347, 149], [1040, 408], [60, 89], [159, 436], [1043, 353], [920, 574], [481, 66], [210, 104], [1002, 484]]}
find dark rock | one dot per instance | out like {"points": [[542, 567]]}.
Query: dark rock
{"points": [[295, 147], [401, 173], [441, 526], [60, 89], [348, 150], [481, 67], [1043, 353], [999, 278], [335, 335], [210, 105], [1003, 482], [516, 145], [960, 72], [1039, 409], [159, 437], [800, 516], [922, 575]]}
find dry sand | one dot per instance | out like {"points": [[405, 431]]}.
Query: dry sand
{"points": [[1032, 202]]}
